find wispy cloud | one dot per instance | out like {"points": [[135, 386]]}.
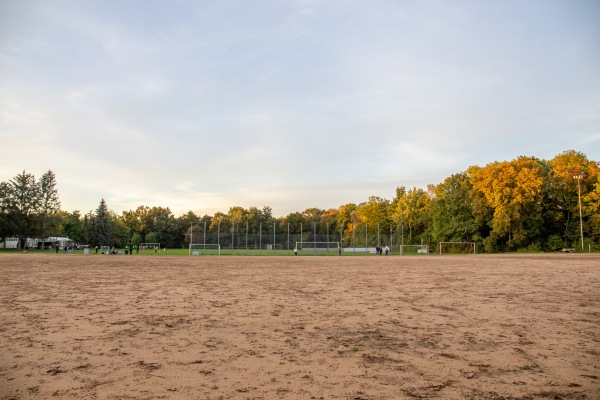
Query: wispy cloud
{"points": [[203, 106]]}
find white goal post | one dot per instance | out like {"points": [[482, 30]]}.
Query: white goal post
{"points": [[414, 249], [317, 247], [197, 249], [105, 249], [457, 247], [149, 246]]}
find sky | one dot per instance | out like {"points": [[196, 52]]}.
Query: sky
{"points": [[293, 104]]}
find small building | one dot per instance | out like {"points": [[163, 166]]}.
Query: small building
{"points": [[10, 243], [13, 243]]}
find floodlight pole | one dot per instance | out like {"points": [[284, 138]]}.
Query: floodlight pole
{"points": [[579, 177]]}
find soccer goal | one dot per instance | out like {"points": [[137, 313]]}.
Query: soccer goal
{"points": [[199, 249], [456, 248], [318, 247], [150, 246], [105, 249], [414, 249]]}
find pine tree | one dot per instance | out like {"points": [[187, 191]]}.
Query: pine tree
{"points": [[22, 202], [102, 226], [48, 203]]}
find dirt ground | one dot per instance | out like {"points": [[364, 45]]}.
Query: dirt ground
{"points": [[431, 327]]}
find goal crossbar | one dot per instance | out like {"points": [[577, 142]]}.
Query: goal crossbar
{"points": [[317, 246], [414, 249], [198, 248]]}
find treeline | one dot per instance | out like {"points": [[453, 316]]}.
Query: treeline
{"points": [[523, 204]]}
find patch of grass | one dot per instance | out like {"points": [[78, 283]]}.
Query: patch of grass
{"points": [[355, 349], [526, 368]]}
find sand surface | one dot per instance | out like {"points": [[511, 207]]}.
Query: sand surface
{"points": [[429, 327]]}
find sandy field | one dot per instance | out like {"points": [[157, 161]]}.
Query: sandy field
{"points": [[430, 327]]}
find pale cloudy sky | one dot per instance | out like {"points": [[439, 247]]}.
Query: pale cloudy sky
{"points": [[204, 105]]}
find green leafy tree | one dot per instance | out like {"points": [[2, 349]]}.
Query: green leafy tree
{"points": [[152, 237], [121, 234], [294, 220], [136, 239], [451, 211], [7, 218], [71, 226], [169, 230]]}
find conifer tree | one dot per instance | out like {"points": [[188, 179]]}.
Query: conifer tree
{"points": [[48, 203], [102, 226]]}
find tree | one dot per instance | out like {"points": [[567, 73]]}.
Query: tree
{"points": [[72, 226], [451, 211], [514, 191], [48, 202], [7, 220], [591, 204], [102, 226], [136, 239], [562, 192], [169, 230], [375, 214], [22, 202], [344, 220], [121, 234], [412, 210]]}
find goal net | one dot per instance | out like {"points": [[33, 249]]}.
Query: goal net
{"points": [[199, 249], [456, 248], [150, 246], [318, 247], [414, 249], [105, 249]]}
